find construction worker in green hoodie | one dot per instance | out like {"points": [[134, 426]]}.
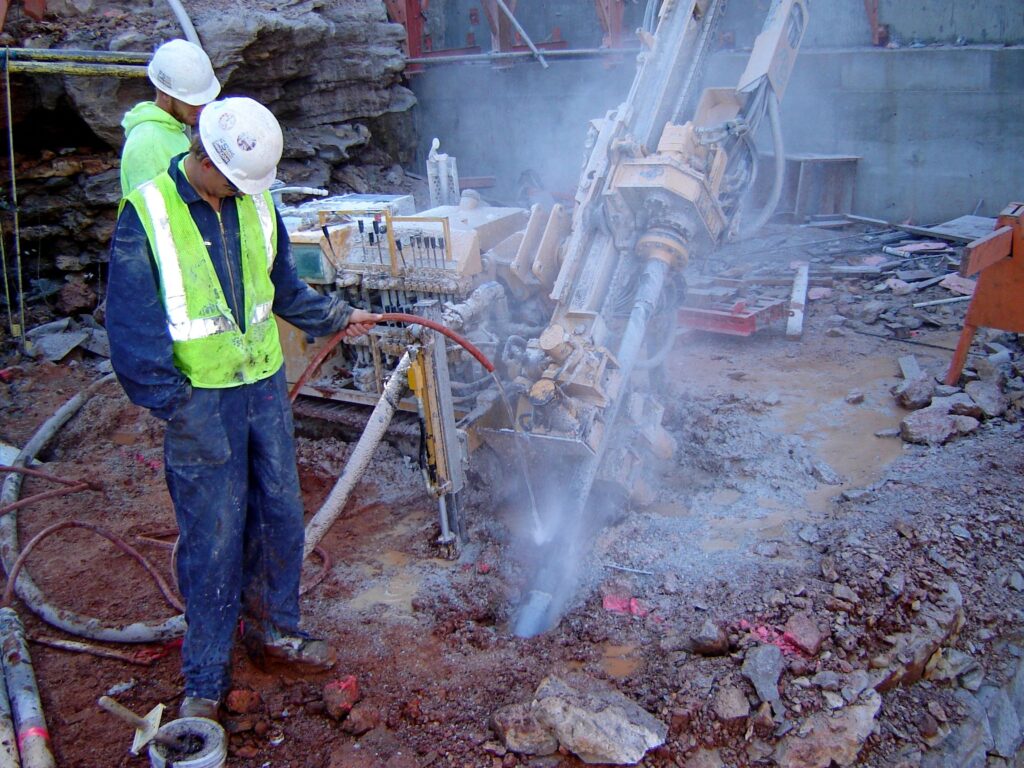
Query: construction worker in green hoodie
{"points": [[155, 131]]}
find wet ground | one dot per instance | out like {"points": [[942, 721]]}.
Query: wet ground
{"points": [[768, 437]]}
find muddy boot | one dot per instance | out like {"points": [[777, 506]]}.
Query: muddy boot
{"points": [[294, 649], [196, 706]]}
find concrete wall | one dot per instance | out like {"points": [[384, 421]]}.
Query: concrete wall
{"points": [[938, 127]]}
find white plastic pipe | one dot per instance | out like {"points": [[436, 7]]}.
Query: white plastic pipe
{"points": [[29, 722], [361, 455]]}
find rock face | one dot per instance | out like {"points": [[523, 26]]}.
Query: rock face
{"points": [[323, 68], [330, 70], [595, 722]]}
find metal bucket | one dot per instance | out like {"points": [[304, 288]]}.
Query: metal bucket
{"points": [[212, 754]]}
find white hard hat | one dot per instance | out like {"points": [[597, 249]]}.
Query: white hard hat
{"points": [[244, 141], [182, 69]]}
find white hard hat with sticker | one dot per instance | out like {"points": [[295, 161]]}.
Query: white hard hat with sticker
{"points": [[182, 69], [244, 141]]}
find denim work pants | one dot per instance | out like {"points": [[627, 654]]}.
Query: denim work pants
{"points": [[230, 463]]}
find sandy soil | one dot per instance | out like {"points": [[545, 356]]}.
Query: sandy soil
{"points": [[738, 532]]}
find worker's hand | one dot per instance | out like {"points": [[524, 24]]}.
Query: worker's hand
{"points": [[359, 322]]}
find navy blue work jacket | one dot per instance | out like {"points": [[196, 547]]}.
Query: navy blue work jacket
{"points": [[140, 344]]}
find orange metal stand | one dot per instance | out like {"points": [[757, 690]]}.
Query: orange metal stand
{"points": [[998, 300]]}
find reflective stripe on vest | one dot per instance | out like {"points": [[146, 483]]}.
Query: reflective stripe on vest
{"points": [[178, 323], [261, 312]]}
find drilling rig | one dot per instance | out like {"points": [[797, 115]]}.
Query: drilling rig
{"points": [[570, 305]]}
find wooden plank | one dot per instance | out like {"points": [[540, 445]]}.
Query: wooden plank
{"points": [[923, 231], [972, 227], [986, 251], [797, 302], [909, 367], [922, 284]]}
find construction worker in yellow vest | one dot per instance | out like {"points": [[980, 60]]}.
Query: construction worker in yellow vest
{"points": [[199, 266], [155, 131]]}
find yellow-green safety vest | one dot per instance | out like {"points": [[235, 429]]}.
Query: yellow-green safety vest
{"points": [[209, 347]]}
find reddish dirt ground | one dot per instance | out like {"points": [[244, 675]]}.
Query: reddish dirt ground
{"points": [[428, 639]]}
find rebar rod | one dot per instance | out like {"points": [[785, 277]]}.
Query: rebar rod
{"points": [[14, 204]]}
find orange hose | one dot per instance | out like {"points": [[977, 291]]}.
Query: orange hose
{"points": [[394, 317]]}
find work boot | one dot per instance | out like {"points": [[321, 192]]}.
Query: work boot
{"points": [[294, 648], [197, 706]]}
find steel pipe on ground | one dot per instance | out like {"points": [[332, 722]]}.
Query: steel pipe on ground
{"points": [[29, 721], [8, 738]]}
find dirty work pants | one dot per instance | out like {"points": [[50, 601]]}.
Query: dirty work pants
{"points": [[230, 463]]}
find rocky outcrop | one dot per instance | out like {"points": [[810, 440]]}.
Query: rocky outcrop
{"points": [[325, 68], [330, 70]]}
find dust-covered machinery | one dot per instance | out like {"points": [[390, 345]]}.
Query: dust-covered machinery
{"points": [[568, 304]]}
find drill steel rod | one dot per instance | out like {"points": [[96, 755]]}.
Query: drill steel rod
{"points": [[535, 616], [483, 58]]}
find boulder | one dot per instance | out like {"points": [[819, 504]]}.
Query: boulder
{"points": [[915, 392], [340, 696], [710, 640], [933, 427], [802, 630], [596, 722], [1002, 721], [989, 398], [730, 705], [937, 623], [959, 404]]}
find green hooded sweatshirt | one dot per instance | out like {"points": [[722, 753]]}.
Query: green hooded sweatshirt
{"points": [[152, 138]]}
